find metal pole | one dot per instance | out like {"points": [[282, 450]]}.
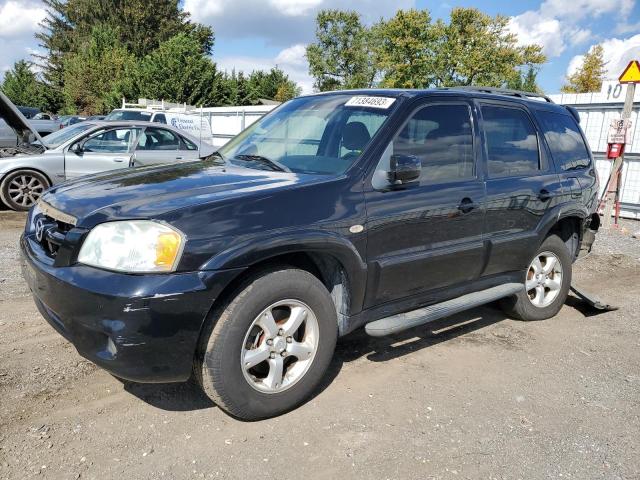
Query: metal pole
{"points": [[616, 168]]}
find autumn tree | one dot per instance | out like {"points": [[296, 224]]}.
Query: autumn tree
{"points": [[341, 56], [589, 76]]}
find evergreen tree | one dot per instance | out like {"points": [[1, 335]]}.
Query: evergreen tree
{"points": [[22, 86]]}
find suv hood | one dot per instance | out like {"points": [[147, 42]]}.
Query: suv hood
{"points": [[154, 192], [17, 121]]}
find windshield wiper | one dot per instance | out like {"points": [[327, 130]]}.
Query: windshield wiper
{"points": [[216, 154], [276, 166]]}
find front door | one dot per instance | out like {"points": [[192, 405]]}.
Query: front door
{"points": [[108, 149], [427, 235]]}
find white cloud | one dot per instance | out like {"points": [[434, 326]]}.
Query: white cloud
{"points": [[295, 7], [280, 22], [617, 54], [18, 19], [291, 60], [556, 23]]}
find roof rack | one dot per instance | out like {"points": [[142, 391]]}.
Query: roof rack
{"points": [[504, 91]]}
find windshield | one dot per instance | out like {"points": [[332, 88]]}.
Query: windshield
{"points": [[128, 115], [324, 134], [59, 137]]}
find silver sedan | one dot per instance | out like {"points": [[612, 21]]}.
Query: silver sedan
{"points": [[90, 147]]}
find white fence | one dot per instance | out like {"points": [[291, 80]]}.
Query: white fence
{"points": [[596, 112], [227, 122]]}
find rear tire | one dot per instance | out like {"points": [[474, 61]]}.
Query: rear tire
{"points": [[265, 352], [21, 189], [547, 281]]}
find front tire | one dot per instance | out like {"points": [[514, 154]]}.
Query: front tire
{"points": [[547, 281], [266, 351], [20, 190]]}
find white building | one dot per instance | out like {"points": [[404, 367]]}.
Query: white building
{"points": [[596, 112]]}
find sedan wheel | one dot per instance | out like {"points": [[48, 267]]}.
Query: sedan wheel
{"points": [[21, 190]]}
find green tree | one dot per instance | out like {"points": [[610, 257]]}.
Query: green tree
{"points": [[272, 84], [139, 26], [477, 49], [588, 78], [341, 56], [95, 76], [404, 49], [525, 81], [178, 71], [22, 86]]}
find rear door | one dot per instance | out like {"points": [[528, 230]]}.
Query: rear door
{"points": [[428, 235], [521, 184], [571, 155], [160, 145], [108, 149]]}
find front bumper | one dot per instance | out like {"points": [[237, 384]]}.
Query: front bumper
{"points": [[143, 328]]}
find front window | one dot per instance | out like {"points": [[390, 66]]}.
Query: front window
{"points": [[320, 135], [117, 140]]}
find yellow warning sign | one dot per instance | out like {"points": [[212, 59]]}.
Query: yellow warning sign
{"points": [[631, 74]]}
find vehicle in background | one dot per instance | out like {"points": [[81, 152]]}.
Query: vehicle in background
{"points": [[45, 116], [71, 120], [96, 117], [28, 170], [8, 136], [28, 112], [183, 117], [378, 208]]}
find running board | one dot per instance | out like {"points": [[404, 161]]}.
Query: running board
{"points": [[404, 321]]}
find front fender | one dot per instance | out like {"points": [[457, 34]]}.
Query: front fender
{"points": [[251, 252]]}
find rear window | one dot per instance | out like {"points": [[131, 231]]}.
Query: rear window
{"points": [[512, 143], [565, 141]]}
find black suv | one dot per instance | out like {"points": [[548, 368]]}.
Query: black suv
{"points": [[376, 208]]}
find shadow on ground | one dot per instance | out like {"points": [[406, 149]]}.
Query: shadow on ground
{"points": [[188, 396]]}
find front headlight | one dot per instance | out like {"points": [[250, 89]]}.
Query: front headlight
{"points": [[134, 246]]}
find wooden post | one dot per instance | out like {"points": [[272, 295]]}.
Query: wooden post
{"points": [[616, 168]]}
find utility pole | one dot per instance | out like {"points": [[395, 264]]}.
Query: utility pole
{"points": [[630, 76]]}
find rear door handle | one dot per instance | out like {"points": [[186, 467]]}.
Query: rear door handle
{"points": [[466, 205], [178, 158], [545, 195]]}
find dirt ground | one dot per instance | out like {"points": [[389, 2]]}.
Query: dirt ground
{"points": [[473, 396]]}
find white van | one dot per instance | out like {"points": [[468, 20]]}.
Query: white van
{"points": [[193, 123]]}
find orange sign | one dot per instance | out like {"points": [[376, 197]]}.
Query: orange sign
{"points": [[631, 74]]}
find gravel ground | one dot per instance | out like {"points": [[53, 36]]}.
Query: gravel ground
{"points": [[474, 396]]}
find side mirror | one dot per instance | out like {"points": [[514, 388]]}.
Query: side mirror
{"points": [[77, 148], [404, 169]]}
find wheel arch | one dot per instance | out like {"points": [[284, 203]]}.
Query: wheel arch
{"points": [[331, 259], [28, 169]]}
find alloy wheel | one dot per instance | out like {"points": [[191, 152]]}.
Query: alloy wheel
{"points": [[544, 279], [280, 346]]}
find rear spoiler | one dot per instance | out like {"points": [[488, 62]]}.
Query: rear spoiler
{"points": [[574, 113], [17, 121]]}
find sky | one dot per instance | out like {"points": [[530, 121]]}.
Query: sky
{"points": [[260, 34]]}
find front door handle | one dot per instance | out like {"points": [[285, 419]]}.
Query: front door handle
{"points": [[545, 195], [466, 205], [119, 160], [178, 158]]}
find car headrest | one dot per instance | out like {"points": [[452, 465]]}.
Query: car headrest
{"points": [[355, 136]]}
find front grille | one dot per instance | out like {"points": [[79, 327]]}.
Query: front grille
{"points": [[50, 234]]}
